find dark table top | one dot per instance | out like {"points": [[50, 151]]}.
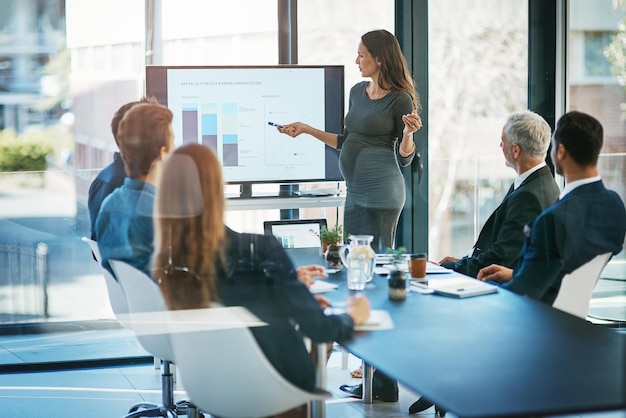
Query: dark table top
{"points": [[494, 355]]}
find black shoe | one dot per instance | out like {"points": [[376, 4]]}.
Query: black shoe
{"points": [[383, 388], [356, 391], [420, 405]]}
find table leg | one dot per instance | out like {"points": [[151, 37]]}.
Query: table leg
{"points": [[368, 377], [318, 407]]}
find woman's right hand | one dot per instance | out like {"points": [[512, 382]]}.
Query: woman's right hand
{"points": [[358, 309], [294, 129]]}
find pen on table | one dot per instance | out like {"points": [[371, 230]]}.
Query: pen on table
{"points": [[275, 124]]}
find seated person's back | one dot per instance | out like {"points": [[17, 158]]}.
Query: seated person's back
{"points": [[265, 282], [124, 227], [112, 176]]}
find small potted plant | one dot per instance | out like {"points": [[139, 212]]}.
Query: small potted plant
{"points": [[332, 240], [333, 236], [397, 277]]}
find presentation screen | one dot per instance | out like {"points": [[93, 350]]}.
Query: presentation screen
{"points": [[232, 109]]}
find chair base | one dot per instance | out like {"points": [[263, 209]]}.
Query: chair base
{"points": [[147, 409], [194, 412], [168, 409], [153, 412]]}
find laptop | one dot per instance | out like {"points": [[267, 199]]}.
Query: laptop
{"points": [[296, 233]]}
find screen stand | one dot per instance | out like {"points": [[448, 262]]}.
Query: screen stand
{"points": [[245, 190], [288, 190]]}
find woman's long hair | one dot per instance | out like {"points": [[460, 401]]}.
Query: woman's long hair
{"points": [[189, 227], [394, 72]]}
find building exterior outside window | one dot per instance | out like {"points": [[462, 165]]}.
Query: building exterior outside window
{"points": [[32, 32]]}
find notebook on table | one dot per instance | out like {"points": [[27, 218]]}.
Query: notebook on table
{"points": [[461, 287]]}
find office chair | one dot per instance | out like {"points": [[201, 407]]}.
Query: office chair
{"points": [[143, 295], [230, 376], [577, 287], [117, 299]]}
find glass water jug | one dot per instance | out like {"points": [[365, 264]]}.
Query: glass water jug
{"points": [[359, 259]]}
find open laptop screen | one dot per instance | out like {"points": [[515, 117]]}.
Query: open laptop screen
{"points": [[296, 233]]}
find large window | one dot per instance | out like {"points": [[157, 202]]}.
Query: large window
{"points": [[333, 36], [107, 70], [478, 76], [478, 72], [595, 58], [330, 39]]}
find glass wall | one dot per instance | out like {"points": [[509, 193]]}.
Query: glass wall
{"points": [[46, 272], [597, 80], [333, 36], [477, 77], [478, 70], [330, 39]]}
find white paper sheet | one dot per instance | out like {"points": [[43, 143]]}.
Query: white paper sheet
{"points": [[320, 286]]}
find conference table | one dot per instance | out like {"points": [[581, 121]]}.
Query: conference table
{"points": [[496, 355]]}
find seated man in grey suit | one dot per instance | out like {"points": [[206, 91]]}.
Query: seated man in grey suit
{"points": [[586, 221], [524, 142]]}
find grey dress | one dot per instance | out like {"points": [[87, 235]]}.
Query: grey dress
{"points": [[370, 164]]}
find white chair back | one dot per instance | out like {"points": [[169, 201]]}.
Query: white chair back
{"points": [[143, 295], [225, 373], [577, 287], [93, 246], [117, 299]]}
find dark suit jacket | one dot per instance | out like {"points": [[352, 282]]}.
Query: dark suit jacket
{"points": [[501, 238], [110, 178], [588, 221], [264, 281]]}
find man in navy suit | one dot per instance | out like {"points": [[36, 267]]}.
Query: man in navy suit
{"points": [[524, 142], [586, 221]]}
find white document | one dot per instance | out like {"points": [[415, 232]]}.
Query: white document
{"points": [[421, 288], [433, 268], [320, 286], [377, 321]]}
